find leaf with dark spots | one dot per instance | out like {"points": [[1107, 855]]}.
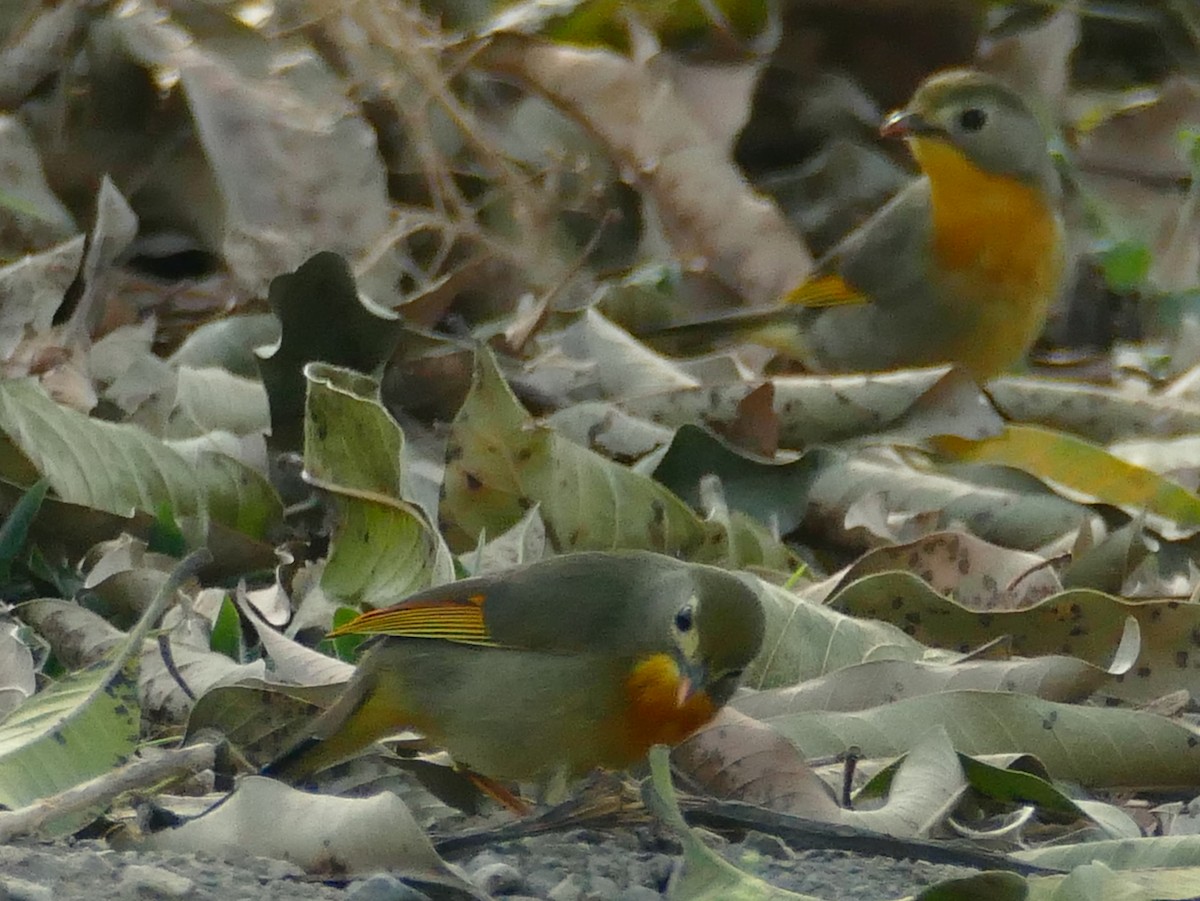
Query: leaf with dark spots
{"points": [[587, 502]]}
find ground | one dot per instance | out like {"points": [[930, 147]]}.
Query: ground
{"points": [[581, 865]]}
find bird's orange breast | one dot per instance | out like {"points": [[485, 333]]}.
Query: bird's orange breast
{"points": [[996, 254], [653, 714], [996, 226]]}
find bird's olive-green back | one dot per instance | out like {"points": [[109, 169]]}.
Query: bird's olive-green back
{"points": [[623, 602]]}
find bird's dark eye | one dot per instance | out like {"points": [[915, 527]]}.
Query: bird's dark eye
{"points": [[684, 618], [972, 119]]}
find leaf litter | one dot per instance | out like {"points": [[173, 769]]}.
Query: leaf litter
{"points": [[399, 342]]}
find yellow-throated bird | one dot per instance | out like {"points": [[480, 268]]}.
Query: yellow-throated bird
{"points": [[577, 662], [960, 267]]}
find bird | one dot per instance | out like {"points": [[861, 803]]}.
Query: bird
{"points": [[960, 267], [546, 672]]}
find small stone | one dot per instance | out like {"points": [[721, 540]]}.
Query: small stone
{"points": [[483, 859], [768, 845], [156, 881], [499, 879], [625, 840], [603, 889], [544, 876], [19, 890], [383, 887], [275, 870], [653, 841], [659, 869], [570, 889]]}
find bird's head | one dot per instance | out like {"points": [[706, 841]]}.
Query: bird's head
{"points": [[979, 117], [717, 632]]}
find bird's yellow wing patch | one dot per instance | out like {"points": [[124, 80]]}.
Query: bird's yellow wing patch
{"points": [[448, 618], [823, 291]]}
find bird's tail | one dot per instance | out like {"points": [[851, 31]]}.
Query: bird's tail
{"points": [[778, 328], [360, 717]]}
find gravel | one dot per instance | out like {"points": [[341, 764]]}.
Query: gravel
{"points": [[628, 864]]}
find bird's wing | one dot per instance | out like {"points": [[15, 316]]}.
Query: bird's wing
{"points": [[449, 614], [859, 268], [830, 290]]}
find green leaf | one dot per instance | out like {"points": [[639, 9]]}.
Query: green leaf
{"points": [[344, 647], [500, 464], [382, 548], [1189, 139], [704, 876], [1126, 265], [83, 725], [1093, 746], [772, 493], [987, 886], [1083, 467], [165, 535], [1012, 786], [63, 578], [226, 635], [121, 468], [15, 530]]}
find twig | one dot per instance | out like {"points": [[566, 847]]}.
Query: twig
{"points": [[100, 792], [801, 833], [103, 788], [400, 31], [186, 569]]}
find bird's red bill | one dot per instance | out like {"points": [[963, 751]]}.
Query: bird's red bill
{"points": [[685, 692]]}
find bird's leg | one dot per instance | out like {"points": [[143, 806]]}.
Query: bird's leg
{"points": [[498, 793]]}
